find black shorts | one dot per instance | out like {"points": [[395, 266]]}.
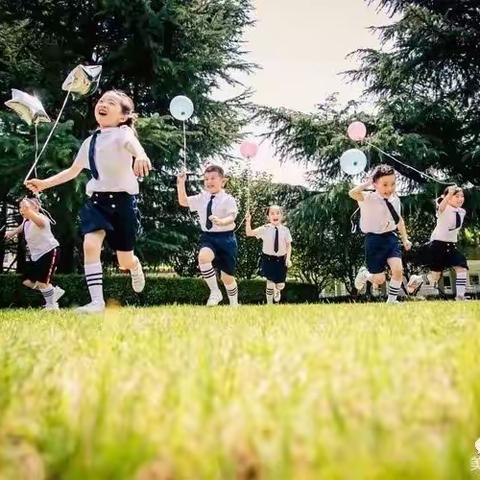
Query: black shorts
{"points": [[442, 255], [273, 268], [116, 213], [379, 247], [43, 269], [225, 248]]}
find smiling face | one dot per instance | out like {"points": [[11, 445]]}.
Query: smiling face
{"points": [[213, 182], [111, 110], [457, 200], [275, 215], [385, 185]]}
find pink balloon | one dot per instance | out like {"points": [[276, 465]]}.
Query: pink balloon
{"points": [[357, 131], [248, 149]]}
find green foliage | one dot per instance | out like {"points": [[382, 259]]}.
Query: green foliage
{"points": [[158, 291], [153, 51]]}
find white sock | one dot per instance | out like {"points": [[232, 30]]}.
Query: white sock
{"points": [[269, 291], [461, 284], [209, 275], [94, 279], [393, 290], [47, 294], [232, 293]]}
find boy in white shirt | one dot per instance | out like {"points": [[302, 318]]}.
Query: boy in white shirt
{"points": [[276, 251], [380, 217], [43, 249], [217, 211]]}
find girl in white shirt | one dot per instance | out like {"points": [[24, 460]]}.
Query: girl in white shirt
{"points": [[276, 251], [43, 249], [115, 159], [443, 251]]}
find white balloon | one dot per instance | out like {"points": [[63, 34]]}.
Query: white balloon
{"points": [[181, 107], [83, 79], [353, 161], [28, 107]]}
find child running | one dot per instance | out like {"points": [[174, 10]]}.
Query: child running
{"points": [[115, 159], [43, 249], [380, 217], [442, 252], [217, 211], [276, 251]]}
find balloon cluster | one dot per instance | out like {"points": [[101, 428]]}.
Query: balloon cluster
{"points": [[354, 161], [82, 80]]}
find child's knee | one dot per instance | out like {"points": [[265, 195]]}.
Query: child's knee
{"points": [[91, 246], [280, 286], [29, 284], [205, 256]]}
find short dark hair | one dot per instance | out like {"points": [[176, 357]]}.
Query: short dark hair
{"points": [[274, 206], [215, 168], [382, 171]]}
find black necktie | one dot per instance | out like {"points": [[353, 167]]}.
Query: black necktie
{"points": [[458, 222], [393, 212], [91, 155], [208, 223], [275, 242]]}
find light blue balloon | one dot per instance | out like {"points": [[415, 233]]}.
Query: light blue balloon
{"points": [[181, 107], [353, 161]]}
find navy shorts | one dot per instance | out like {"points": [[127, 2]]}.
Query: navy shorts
{"points": [[43, 269], [117, 214], [225, 248], [442, 255], [273, 268], [379, 247]]}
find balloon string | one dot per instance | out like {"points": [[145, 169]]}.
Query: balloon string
{"points": [[36, 146], [48, 138], [408, 166], [184, 147]]}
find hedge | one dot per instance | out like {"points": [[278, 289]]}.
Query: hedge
{"points": [[158, 291]]}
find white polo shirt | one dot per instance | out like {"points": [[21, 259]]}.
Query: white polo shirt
{"points": [[375, 217], [114, 151], [223, 205], [40, 240], [267, 234], [445, 230]]}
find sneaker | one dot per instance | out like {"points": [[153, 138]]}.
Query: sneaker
{"points": [[393, 302], [92, 307], [138, 278], [460, 298], [277, 296], [361, 279], [414, 283], [51, 306], [215, 298], [57, 294]]}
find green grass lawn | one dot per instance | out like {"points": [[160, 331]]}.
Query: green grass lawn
{"points": [[280, 392]]}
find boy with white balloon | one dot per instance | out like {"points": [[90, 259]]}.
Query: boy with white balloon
{"points": [[380, 217]]}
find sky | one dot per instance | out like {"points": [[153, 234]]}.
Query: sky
{"points": [[301, 47]]}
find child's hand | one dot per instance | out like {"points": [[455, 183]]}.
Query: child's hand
{"points": [[452, 189], [10, 235], [142, 167], [215, 220], [248, 216], [36, 185], [407, 244], [288, 263], [182, 177]]}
